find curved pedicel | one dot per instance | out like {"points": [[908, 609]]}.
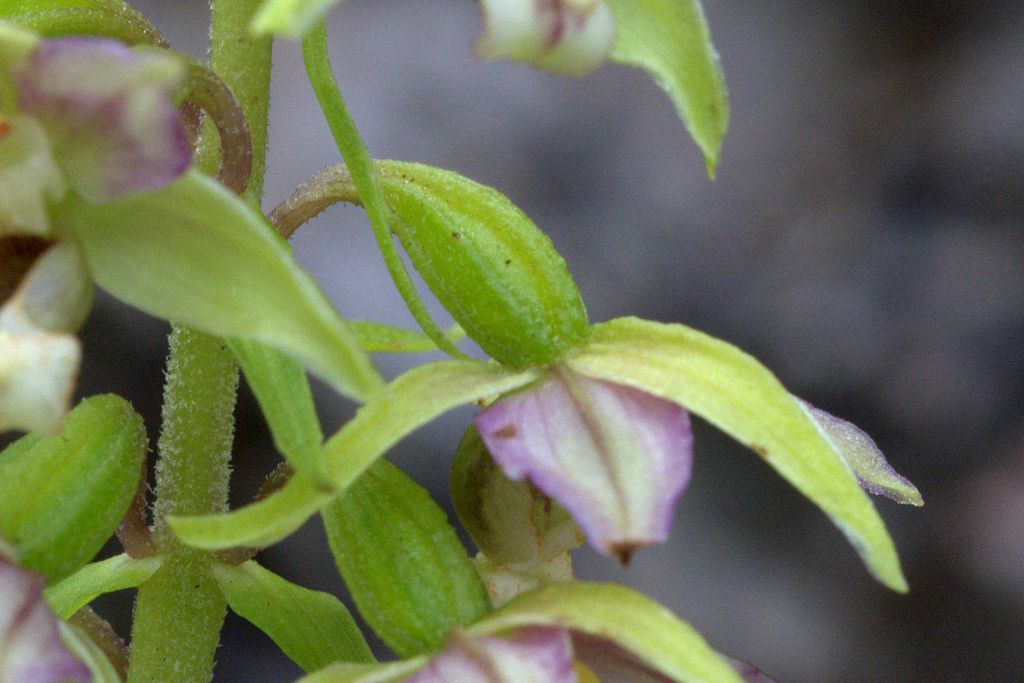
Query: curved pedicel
{"points": [[205, 93]]}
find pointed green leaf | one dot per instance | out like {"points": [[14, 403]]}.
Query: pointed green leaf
{"points": [[96, 579], [734, 392], [622, 616], [194, 253], [410, 401], [290, 18], [91, 467], [407, 571], [670, 39], [366, 673], [282, 390], [311, 627]]}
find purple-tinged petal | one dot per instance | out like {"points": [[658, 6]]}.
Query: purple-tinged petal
{"points": [[30, 646], [29, 177], [616, 457], [750, 673], [562, 36], [109, 114], [864, 457], [532, 655]]}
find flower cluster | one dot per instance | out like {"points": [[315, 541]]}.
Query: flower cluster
{"points": [[87, 116]]}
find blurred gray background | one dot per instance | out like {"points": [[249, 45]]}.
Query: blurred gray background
{"points": [[864, 238]]}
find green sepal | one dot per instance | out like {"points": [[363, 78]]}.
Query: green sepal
{"points": [[282, 390], [93, 580], [410, 401], [387, 672], [653, 635], [497, 274], [89, 653], [406, 569], [194, 253], [289, 18], [311, 627], [670, 39], [737, 394], [63, 496]]}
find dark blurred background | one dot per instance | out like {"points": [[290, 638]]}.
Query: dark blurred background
{"points": [[864, 238]]}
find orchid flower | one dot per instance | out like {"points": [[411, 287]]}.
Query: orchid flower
{"points": [[31, 650], [87, 116], [594, 415]]}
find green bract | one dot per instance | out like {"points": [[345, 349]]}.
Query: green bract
{"points": [[403, 563], [93, 580], [311, 627], [204, 258], [63, 496], [408, 402], [671, 40]]}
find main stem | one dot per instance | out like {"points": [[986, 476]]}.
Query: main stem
{"points": [[180, 610]]}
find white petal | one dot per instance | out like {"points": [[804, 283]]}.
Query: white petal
{"points": [[563, 36]]}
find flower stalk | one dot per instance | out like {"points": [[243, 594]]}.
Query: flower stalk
{"points": [[180, 611]]}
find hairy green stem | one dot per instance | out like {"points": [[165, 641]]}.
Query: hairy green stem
{"points": [[180, 610], [365, 178]]}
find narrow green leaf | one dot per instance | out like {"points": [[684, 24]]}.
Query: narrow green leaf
{"points": [[10, 9], [312, 628], [407, 571], [282, 390], [380, 338], [289, 18], [670, 39], [734, 392], [96, 579], [366, 673], [622, 616], [194, 253], [91, 467], [410, 401]]}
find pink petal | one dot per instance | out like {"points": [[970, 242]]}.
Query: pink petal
{"points": [[30, 646], [862, 454], [109, 114], [533, 655], [616, 457]]}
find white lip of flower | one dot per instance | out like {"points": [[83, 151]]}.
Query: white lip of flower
{"points": [[28, 175], [39, 358], [37, 373], [570, 37]]}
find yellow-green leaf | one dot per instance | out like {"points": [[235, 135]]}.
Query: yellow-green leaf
{"points": [[93, 580], [410, 401]]}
